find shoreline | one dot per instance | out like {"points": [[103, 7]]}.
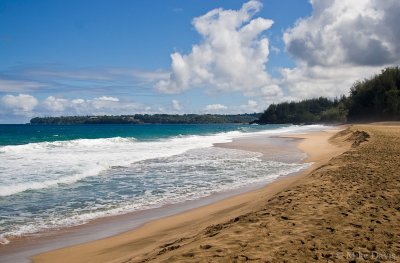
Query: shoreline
{"points": [[143, 238], [22, 248]]}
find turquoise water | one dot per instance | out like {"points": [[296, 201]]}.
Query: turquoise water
{"points": [[22, 134], [59, 176]]}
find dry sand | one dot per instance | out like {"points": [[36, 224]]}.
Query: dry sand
{"points": [[340, 210]]}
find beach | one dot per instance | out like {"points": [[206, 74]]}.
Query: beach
{"points": [[159, 238], [346, 210], [343, 207]]}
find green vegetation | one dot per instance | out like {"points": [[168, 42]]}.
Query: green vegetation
{"points": [[374, 99], [146, 118], [305, 111]]}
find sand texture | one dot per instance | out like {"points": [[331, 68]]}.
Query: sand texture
{"points": [[345, 209]]}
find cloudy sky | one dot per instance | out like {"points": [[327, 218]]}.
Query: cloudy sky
{"points": [[177, 56]]}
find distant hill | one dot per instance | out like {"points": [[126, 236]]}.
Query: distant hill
{"points": [[146, 118], [374, 99]]}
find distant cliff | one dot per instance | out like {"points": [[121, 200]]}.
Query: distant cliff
{"points": [[146, 118]]}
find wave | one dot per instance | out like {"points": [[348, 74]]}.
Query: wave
{"points": [[193, 175], [42, 165], [71, 143]]}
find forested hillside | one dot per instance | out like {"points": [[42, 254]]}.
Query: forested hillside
{"points": [[305, 112], [374, 99]]}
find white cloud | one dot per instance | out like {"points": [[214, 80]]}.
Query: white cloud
{"points": [[176, 105], [271, 92], [19, 108], [363, 32], [103, 102], [78, 101], [341, 42], [309, 82], [55, 104], [96, 106], [250, 107], [252, 103], [230, 57], [22, 104], [105, 98], [215, 108]]}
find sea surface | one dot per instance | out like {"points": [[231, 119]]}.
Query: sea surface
{"points": [[53, 177]]}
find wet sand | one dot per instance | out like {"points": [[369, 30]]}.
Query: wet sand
{"points": [[199, 234]]}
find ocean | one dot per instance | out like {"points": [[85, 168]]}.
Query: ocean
{"points": [[52, 177]]}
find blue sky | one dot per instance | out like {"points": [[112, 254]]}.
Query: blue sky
{"points": [[124, 57]]}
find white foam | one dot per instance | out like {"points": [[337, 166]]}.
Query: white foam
{"points": [[3, 240], [195, 174], [293, 129], [41, 165]]}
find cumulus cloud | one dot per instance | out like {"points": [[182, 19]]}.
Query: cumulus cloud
{"points": [[251, 106], [27, 106], [363, 32], [231, 55], [309, 82], [176, 105], [106, 98], [21, 104], [215, 108], [55, 104], [341, 42]]}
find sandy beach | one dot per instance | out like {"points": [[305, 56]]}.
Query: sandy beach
{"points": [[144, 242], [343, 208]]}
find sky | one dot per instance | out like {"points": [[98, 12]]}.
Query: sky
{"points": [[71, 57]]}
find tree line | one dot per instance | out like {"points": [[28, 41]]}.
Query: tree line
{"points": [[373, 99], [147, 118]]}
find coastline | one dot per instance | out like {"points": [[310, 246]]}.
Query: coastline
{"points": [[22, 248], [137, 242]]}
